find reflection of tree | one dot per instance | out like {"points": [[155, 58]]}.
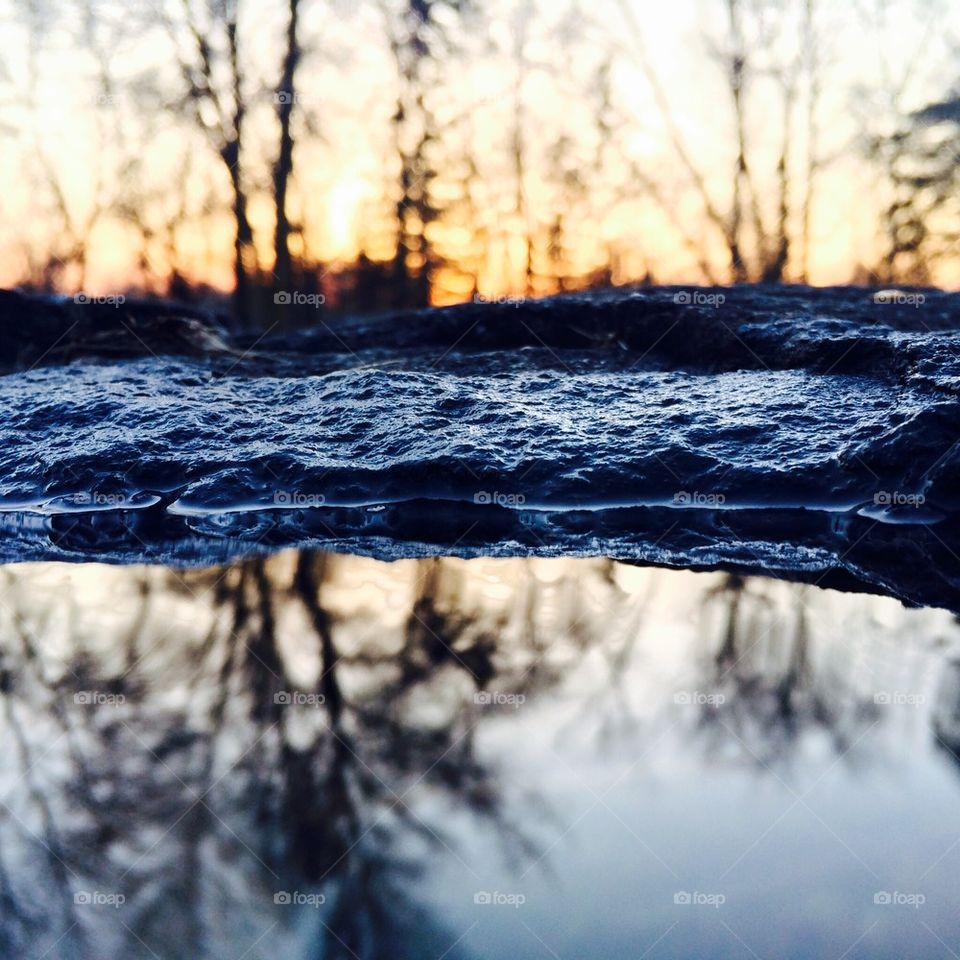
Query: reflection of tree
{"points": [[608, 710], [946, 712], [762, 695], [203, 784]]}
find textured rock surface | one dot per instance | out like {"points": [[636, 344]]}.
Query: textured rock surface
{"points": [[811, 434]]}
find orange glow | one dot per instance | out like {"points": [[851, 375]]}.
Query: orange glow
{"points": [[576, 213]]}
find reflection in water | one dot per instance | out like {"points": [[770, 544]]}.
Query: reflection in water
{"points": [[318, 756], [765, 693]]}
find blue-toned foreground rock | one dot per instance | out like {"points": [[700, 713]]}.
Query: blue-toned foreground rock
{"points": [[809, 434]]}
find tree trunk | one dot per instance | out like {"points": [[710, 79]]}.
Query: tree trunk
{"points": [[243, 237], [243, 252], [283, 167]]}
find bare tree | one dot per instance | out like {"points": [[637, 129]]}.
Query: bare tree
{"points": [[521, 24], [913, 153], [208, 57], [286, 99], [420, 37], [813, 162], [755, 221]]}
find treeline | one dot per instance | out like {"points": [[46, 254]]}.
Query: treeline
{"points": [[372, 154]]}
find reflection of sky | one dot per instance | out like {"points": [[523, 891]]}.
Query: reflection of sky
{"points": [[798, 853], [811, 879]]}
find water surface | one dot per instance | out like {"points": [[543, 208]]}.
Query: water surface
{"points": [[320, 756]]}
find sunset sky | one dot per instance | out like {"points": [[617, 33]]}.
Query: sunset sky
{"points": [[63, 133]]}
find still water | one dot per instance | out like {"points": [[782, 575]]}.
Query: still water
{"points": [[320, 756]]}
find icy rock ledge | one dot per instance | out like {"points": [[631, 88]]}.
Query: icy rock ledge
{"points": [[812, 434]]}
